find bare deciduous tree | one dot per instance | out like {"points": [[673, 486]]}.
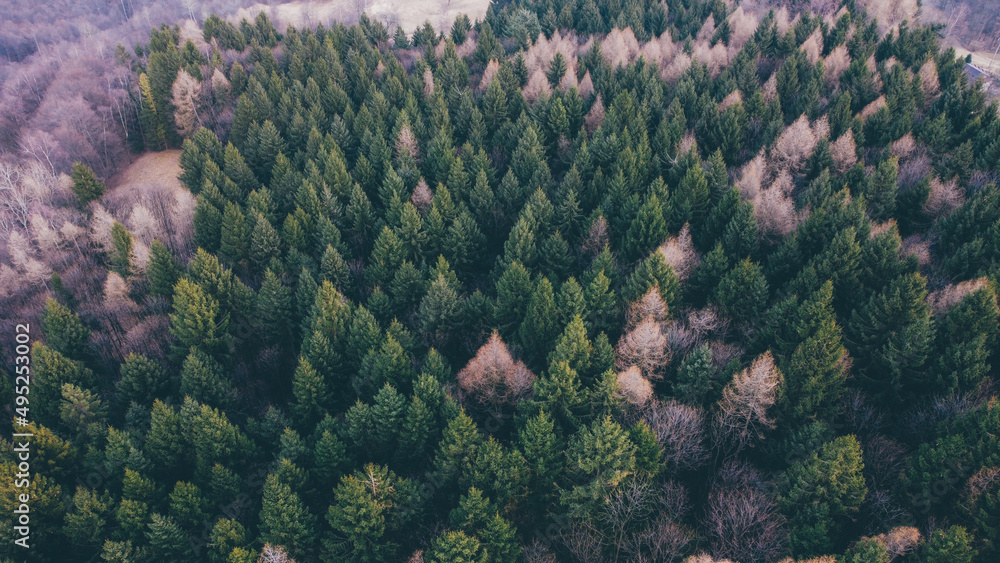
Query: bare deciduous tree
{"points": [[640, 522], [707, 321], [650, 305], [116, 295], [843, 152], [144, 337], [707, 30], [539, 55], [929, 79], [705, 558], [24, 187], [537, 552], [488, 74], [742, 25], [406, 143], [583, 542], [586, 87], [715, 57], [644, 346], [627, 505], [10, 281], [635, 388], [597, 236], [731, 99], [117, 313], [904, 146], [220, 86], [673, 500], [984, 481], [813, 46], [595, 116], [467, 48], [41, 146], [859, 414], [100, 228], [741, 520], [873, 107], [752, 177], [884, 460], [835, 64], [659, 51], [568, 79], [782, 19], [944, 198], [794, 145], [359, 7], [663, 540], [890, 13], [918, 247], [140, 255], [422, 197], [143, 224], [880, 511], [981, 179], [770, 88], [680, 253], [775, 211], [681, 430], [428, 82], [680, 338], [186, 92], [724, 352], [742, 415], [32, 270], [620, 47], [494, 377], [44, 236], [537, 86], [914, 169], [879, 229], [15, 202], [942, 300], [899, 541], [274, 554]]}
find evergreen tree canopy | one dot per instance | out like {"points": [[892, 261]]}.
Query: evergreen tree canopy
{"points": [[505, 286]]}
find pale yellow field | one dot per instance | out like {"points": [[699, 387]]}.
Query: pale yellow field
{"points": [[151, 169], [982, 59], [148, 198], [409, 14]]}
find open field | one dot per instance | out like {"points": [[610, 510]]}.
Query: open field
{"points": [[409, 14], [148, 197], [982, 59], [152, 168]]}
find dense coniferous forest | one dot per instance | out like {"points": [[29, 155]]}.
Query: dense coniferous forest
{"points": [[587, 280]]}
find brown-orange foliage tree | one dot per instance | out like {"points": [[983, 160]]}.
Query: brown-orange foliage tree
{"points": [[493, 377]]}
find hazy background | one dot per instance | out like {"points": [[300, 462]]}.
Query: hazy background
{"points": [[63, 98]]}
